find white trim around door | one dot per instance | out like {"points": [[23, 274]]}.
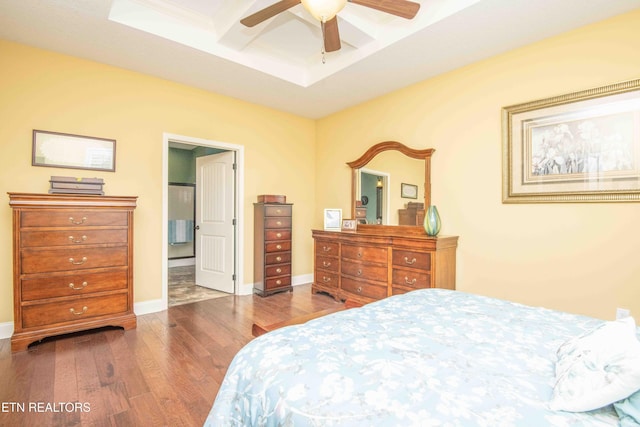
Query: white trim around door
{"points": [[239, 229]]}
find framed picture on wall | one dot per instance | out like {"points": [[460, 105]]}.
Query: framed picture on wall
{"points": [[408, 191], [64, 150], [332, 219], [579, 147]]}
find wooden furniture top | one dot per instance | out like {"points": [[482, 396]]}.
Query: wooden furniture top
{"points": [[69, 200], [258, 329], [392, 234]]}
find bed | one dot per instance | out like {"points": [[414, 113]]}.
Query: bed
{"points": [[427, 358]]}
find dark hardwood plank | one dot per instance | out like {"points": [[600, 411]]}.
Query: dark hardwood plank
{"points": [[165, 372]]}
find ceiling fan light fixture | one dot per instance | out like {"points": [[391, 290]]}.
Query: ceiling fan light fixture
{"points": [[323, 10]]}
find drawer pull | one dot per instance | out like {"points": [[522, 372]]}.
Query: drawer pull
{"points": [[326, 248], [412, 282], [279, 235], [359, 254], [359, 273], [278, 210], [279, 223], [72, 286], [326, 279], [326, 264], [278, 282], [278, 258], [74, 262], [406, 260], [278, 270], [80, 240], [73, 221], [278, 246], [359, 289], [78, 313]]}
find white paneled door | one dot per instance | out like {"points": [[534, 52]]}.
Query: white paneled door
{"points": [[215, 183]]}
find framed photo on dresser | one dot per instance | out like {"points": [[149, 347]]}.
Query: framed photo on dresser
{"points": [[332, 219]]}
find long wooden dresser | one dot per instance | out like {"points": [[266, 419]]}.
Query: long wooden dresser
{"points": [[72, 264], [368, 266]]}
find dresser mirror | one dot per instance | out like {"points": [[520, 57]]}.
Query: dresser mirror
{"points": [[377, 185]]}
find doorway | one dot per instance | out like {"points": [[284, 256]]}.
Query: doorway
{"points": [[373, 188], [216, 231]]}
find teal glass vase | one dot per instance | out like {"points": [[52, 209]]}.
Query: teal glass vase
{"points": [[432, 221]]}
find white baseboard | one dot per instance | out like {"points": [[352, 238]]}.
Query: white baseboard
{"points": [[6, 330], [303, 279], [148, 307], [181, 262]]}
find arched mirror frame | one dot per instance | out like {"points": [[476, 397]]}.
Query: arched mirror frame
{"points": [[367, 157]]}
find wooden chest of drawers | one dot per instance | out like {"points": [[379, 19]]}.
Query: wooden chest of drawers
{"points": [[364, 267], [72, 265], [272, 248]]}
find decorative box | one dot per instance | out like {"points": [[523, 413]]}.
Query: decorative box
{"points": [[73, 185], [272, 198]]}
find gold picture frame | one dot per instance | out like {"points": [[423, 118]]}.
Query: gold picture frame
{"points": [[579, 147]]}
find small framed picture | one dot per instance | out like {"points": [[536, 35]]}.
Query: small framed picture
{"points": [[332, 219], [349, 225], [408, 191]]}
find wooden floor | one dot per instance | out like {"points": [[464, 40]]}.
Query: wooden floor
{"points": [[165, 373]]}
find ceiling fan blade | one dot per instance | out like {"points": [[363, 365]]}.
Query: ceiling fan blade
{"points": [[331, 35], [268, 12], [403, 8]]}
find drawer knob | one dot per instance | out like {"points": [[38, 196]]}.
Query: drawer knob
{"points": [[78, 313], [279, 223], [278, 282], [326, 248], [74, 221], [80, 240], [406, 260], [326, 264], [359, 273], [72, 286], [74, 262], [359, 289], [408, 282], [278, 270], [359, 254], [278, 246], [279, 235], [278, 210], [326, 279], [278, 258]]}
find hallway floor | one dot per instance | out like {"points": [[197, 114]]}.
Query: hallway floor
{"points": [[183, 289]]}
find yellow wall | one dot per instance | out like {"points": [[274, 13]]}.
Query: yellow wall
{"points": [[48, 91], [580, 258]]}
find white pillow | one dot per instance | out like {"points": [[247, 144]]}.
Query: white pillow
{"points": [[597, 368]]}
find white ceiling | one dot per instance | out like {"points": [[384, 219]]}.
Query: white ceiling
{"points": [[279, 62]]}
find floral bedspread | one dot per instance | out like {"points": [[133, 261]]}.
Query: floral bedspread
{"points": [[427, 358]]}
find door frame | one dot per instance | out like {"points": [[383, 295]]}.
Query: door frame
{"points": [[239, 206]]}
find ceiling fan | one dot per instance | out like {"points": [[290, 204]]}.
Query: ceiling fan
{"points": [[325, 11]]}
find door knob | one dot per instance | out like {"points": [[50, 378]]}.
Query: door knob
{"points": [[197, 227]]}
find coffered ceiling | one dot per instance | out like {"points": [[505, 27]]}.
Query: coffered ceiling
{"points": [[280, 63]]}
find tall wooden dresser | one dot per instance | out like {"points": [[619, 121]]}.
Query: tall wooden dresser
{"points": [[72, 264], [367, 266], [272, 248]]}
